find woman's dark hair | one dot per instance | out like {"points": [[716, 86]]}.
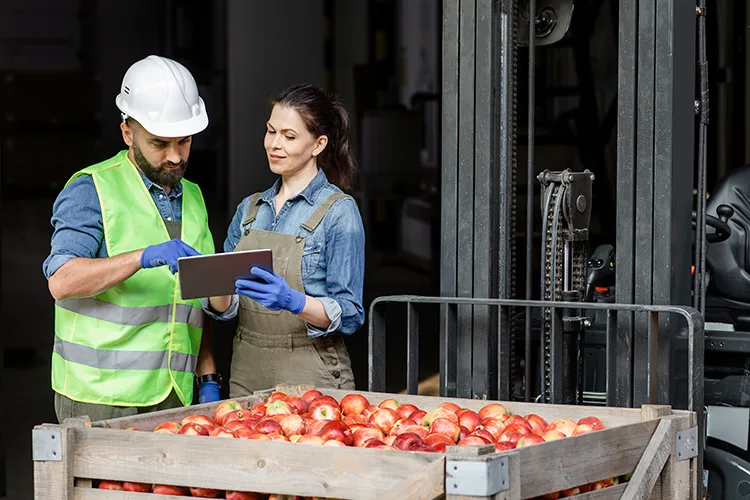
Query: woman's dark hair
{"points": [[324, 115]]}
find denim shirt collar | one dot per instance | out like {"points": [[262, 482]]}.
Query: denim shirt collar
{"points": [[308, 194], [174, 193]]}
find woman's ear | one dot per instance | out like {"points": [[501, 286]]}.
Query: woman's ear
{"points": [[320, 145]]}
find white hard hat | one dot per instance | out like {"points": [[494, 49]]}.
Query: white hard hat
{"points": [[162, 96]]}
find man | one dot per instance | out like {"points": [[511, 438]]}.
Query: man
{"points": [[125, 342]]}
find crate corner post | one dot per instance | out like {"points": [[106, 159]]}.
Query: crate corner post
{"points": [[53, 469]]}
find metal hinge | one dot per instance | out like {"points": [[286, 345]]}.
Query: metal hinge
{"points": [[46, 444], [687, 443], [476, 478]]}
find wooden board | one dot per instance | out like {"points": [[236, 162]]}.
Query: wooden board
{"points": [[247, 465], [90, 494]]}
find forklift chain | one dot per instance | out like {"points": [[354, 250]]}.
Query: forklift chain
{"points": [[553, 291], [513, 324]]}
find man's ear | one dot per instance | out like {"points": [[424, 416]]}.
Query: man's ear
{"points": [[127, 133]]}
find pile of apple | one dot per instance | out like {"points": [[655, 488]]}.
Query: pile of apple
{"points": [[319, 419]]}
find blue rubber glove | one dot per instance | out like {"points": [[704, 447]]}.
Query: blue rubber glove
{"points": [[273, 292], [208, 392], [166, 254]]}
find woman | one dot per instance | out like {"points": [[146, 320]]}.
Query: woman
{"points": [[291, 321]]}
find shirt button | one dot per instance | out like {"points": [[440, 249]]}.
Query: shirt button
{"points": [[161, 196], [169, 218], [336, 375]]}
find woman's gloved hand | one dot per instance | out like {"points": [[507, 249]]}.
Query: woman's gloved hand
{"points": [[166, 254], [273, 292], [208, 392]]}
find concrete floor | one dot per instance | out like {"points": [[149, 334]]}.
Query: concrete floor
{"points": [[27, 311]]}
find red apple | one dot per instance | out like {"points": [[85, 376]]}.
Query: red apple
{"points": [[258, 410], [225, 407], [537, 423], [570, 492], [521, 429], [519, 420], [450, 406], [493, 426], [310, 439], [407, 440], [293, 424], [375, 443], [389, 403], [221, 432], [493, 410], [325, 411], [417, 416], [353, 404], [405, 410], [244, 433], [200, 420], [369, 411], [168, 428], [404, 422], [260, 437], [390, 439], [278, 407], [424, 449], [594, 422], [472, 441], [447, 427], [298, 403], [484, 434], [333, 442], [355, 419], [417, 429], [191, 429], [510, 437], [324, 399], [365, 434], [310, 395], [384, 419], [111, 485], [552, 435], [564, 425], [168, 489], [438, 413], [501, 447], [469, 419], [242, 495], [315, 426], [205, 493], [268, 426], [582, 429], [332, 431], [137, 487], [276, 396], [436, 439], [235, 425], [528, 440], [275, 436], [550, 496]]}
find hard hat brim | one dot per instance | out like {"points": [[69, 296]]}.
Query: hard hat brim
{"points": [[183, 128]]}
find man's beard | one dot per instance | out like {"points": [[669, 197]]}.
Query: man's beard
{"points": [[161, 175]]}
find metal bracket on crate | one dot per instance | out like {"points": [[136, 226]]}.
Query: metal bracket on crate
{"points": [[480, 478], [46, 444], [687, 443]]}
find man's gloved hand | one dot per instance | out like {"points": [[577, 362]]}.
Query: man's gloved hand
{"points": [[273, 293], [208, 392], [166, 254]]}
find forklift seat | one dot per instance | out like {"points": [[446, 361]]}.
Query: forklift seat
{"points": [[728, 262]]}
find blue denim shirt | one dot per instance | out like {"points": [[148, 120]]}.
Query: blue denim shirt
{"points": [[333, 259], [77, 220]]}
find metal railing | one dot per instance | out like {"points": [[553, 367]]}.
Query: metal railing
{"points": [[643, 372]]}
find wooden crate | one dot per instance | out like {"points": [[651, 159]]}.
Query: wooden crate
{"points": [[638, 441]]}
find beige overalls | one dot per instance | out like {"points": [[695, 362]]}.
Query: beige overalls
{"points": [[272, 347]]}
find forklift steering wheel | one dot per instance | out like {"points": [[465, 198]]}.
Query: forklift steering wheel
{"points": [[722, 231]]}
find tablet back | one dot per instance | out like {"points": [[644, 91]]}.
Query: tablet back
{"points": [[214, 275]]}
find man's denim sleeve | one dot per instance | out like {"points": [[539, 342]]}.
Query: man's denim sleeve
{"points": [[345, 265], [77, 223]]}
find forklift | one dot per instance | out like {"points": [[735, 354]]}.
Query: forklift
{"points": [[677, 248]]}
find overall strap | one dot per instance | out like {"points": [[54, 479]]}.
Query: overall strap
{"points": [[252, 209], [315, 219]]}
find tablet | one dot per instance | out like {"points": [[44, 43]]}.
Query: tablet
{"points": [[214, 275]]}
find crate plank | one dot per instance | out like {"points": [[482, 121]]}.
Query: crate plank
{"points": [[91, 494], [149, 421], [651, 464], [427, 484], [53, 480], [571, 462], [677, 474], [241, 464], [611, 493]]}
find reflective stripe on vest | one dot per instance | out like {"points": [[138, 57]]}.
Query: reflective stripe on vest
{"points": [[133, 316], [123, 360]]}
